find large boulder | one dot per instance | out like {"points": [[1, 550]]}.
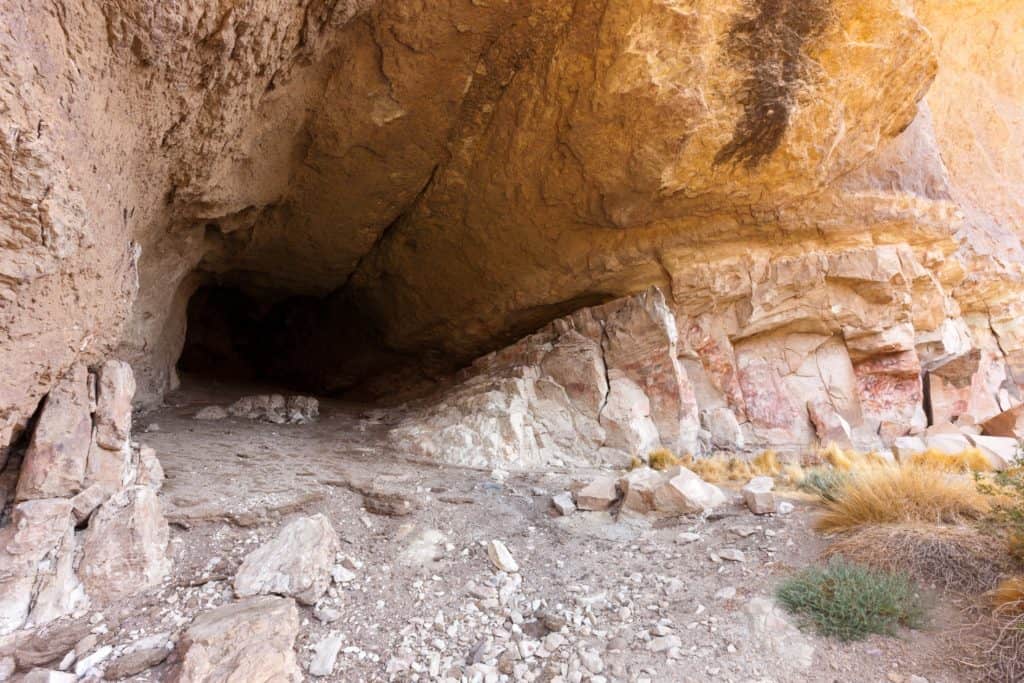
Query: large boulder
{"points": [[249, 640], [36, 552], [55, 462], [296, 563], [685, 492], [125, 546]]}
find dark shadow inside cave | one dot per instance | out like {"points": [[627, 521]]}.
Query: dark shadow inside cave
{"points": [[320, 345]]}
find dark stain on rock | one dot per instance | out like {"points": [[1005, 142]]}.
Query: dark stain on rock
{"points": [[768, 45]]}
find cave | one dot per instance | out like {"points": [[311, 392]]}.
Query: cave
{"points": [[320, 345], [385, 340]]}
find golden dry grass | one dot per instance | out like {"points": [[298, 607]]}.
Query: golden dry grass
{"points": [[766, 464], [1008, 596], [719, 468], [969, 460], [893, 494], [662, 459]]}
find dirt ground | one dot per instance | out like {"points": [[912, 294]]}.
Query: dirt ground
{"points": [[427, 603]]}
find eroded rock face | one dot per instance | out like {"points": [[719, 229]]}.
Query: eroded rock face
{"points": [[798, 178]]}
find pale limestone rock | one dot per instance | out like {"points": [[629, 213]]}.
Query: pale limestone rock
{"points": [[125, 546], [758, 496], [564, 504], [906, 447], [211, 413], [598, 494], [685, 492], [724, 428], [111, 469], [772, 633], [297, 562], [85, 503], [149, 471], [325, 654], [951, 443], [36, 553], [1002, 452], [830, 426], [248, 640], [115, 388], [273, 408], [86, 663], [638, 489], [49, 676], [501, 557], [54, 464]]}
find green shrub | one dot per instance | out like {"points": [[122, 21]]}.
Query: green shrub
{"points": [[850, 601], [824, 481]]}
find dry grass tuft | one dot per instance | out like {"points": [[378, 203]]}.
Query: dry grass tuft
{"points": [[712, 469], [794, 473], [662, 459], [838, 458], [890, 495], [954, 558], [1008, 596], [766, 464], [969, 460]]}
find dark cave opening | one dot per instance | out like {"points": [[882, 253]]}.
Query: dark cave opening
{"points": [[320, 345]]}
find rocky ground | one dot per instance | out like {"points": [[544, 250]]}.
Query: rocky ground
{"points": [[415, 594]]}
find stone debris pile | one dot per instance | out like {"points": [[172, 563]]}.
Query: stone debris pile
{"points": [[86, 527], [643, 490], [273, 408]]}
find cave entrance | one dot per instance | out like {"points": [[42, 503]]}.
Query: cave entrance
{"points": [[318, 345]]}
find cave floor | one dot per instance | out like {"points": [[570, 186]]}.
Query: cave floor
{"points": [[230, 483]]}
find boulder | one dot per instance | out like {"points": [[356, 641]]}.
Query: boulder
{"points": [[49, 676], [724, 428], [1009, 423], [947, 442], [115, 388], [830, 426], [758, 496], [273, 408], [685, 492], [297, 562], [111, 469], [501, 558], [1002, 451], [906, 447], [563, 503], [125, 546], [325, 654], [249, 640], [598, 494], [36, 551], [638, 489], [55, 461]]}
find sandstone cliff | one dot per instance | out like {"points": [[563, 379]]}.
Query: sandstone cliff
{"points": [[824, 190]]}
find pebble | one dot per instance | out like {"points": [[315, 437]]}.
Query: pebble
{"points": [[732, 554], [501, 557], [563, 503]]}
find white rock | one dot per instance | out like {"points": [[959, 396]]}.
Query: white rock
{"points": [[664, 643], [758, 496], [785, 507], [211, 413], [687, 537], [83, 665], [732, 554], [325, 654], [685, 492], [297, 562], [563, 503], [46, 676], [598, 494], [501, 557]]}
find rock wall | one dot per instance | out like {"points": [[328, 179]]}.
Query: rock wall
{"points": [[823, 189]]}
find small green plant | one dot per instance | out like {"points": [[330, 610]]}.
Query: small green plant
{"points": [[824, 481], [850, 601]]}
